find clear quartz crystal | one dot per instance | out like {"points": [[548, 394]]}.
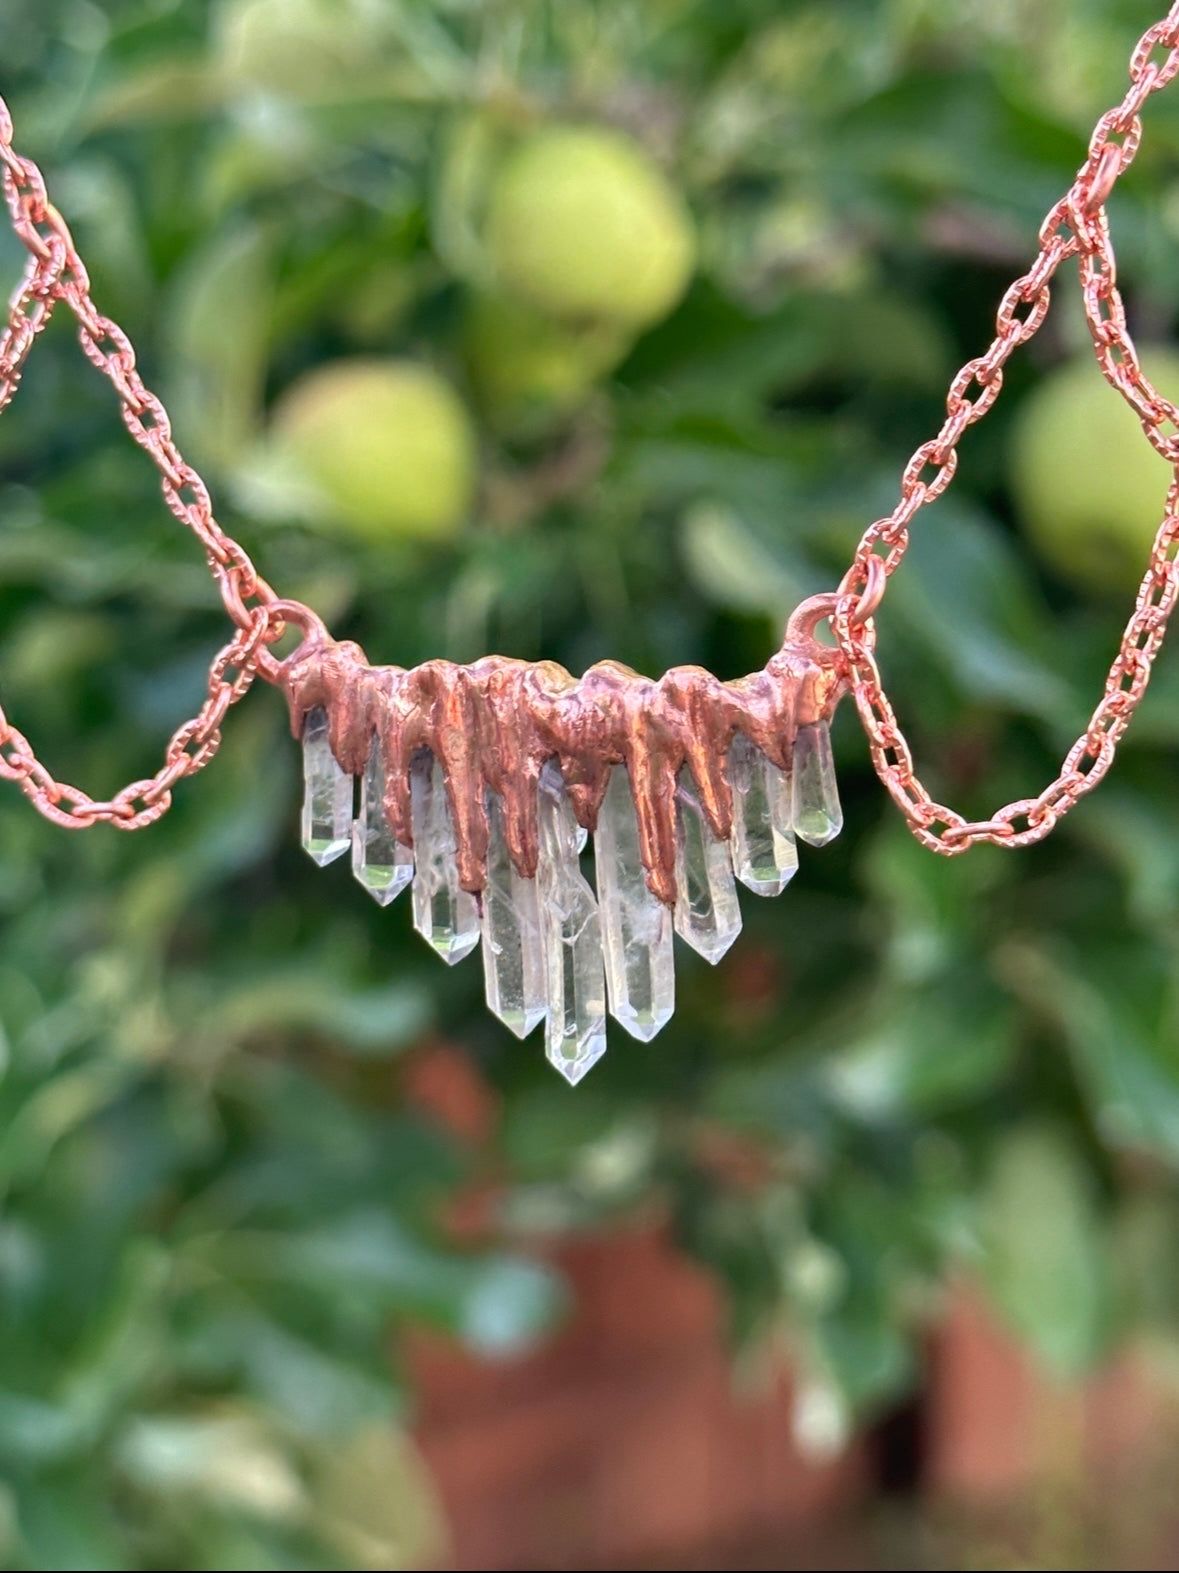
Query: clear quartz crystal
{"points": [[707, 913], [327, 793], [444, 914], [382, 865], [575, 984], [513, 958], [765, 856], [815, 811], [636, 926]]}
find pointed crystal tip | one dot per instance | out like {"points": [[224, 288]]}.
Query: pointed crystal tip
{"points": [[383, 884], [322, 851], [513, 956], [636, 926], [518, 1021], [327, 794], [380, 863], [574, 1064], [452, 947], [765, 855], [816, 811], [444, 914], [571, 928], [707, 912]]}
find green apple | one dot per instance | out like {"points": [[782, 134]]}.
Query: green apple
{"points": [[1088, 487], [582, 224], [528, 369], [385, 447]]}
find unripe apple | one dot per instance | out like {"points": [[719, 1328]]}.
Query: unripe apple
{"points": [[1088, 486], [582, 224], [528, 369], [385, 446]]}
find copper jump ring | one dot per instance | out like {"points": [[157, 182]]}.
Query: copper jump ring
{"points": [[1109, 167], [875, 582]]}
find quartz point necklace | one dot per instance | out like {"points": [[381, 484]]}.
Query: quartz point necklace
{"points": [[477, 788]]}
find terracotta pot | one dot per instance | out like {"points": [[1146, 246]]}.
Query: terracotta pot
{"points": [[624, 1440]]}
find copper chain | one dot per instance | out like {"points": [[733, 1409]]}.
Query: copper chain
{"points": [[1076, 226], [55, 273]]}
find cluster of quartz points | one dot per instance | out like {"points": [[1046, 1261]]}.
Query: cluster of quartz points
{"points": [[553, 949]]}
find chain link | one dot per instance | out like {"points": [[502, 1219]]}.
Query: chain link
{"points": [[1076, 227], [56, 273]]}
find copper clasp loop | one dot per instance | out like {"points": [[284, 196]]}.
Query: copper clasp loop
{"points": [[280, 614], [805, 618]]}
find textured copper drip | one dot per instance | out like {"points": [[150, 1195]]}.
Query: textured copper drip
{"points": [[493, 725]]}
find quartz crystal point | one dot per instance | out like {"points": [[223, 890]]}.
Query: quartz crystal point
{"points": [[513, 958], [444, 914], [765, 856], [707, 913], [327, 793], [382, 865], [815, 811], [575, 985], [636, 926]]}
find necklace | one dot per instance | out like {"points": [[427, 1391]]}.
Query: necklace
{"points": [[478, 786]]}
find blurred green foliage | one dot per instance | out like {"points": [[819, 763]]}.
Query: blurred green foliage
{"points": [[215, 1203]]}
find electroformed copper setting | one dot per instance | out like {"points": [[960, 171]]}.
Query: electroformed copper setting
{"points": [[493, 725]]}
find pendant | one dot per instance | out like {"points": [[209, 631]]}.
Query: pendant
{"points": [[479, 788]]}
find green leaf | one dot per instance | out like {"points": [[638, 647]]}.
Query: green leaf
{"points": [[125, 1349], [225, 1455], [310, 1387], [870, 1362], [506, 1304], [374, 1500], [55, 1109], [65, 1522], [160, 91], [731, 566], [927, 1050], [34, 1433], [1044, 1260], [370, 1021], [220, 316], [497, 1304], [968, 597], [1115, 1010]]}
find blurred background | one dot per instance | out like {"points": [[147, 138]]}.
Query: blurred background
{"points": [[573, 329]]}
